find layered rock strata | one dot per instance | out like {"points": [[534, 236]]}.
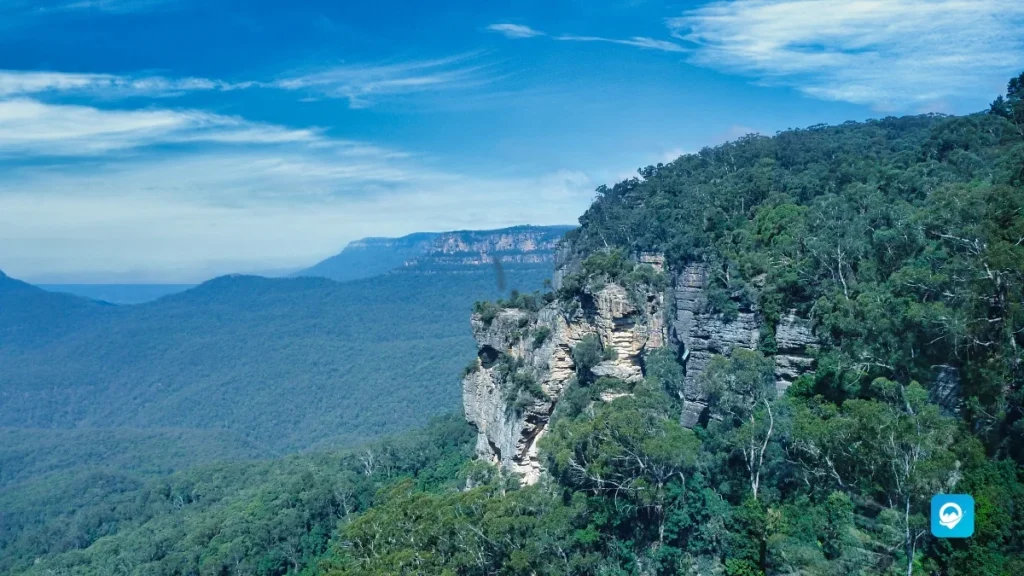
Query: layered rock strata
{"points": [[537, 346]]}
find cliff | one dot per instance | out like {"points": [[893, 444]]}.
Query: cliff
{"points": [[429, 250], [525, 363], [516, 245], [525, 358]]}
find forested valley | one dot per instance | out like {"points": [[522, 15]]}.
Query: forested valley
{"points": [[901, 239]]}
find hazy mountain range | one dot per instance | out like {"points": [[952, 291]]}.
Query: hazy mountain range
{"points": [[261, 366]]}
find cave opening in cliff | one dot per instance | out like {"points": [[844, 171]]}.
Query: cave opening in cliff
{"points": [[488, 356]]}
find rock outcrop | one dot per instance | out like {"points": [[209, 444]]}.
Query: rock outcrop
{"points": [[522, 346], [517, 245], [795, 344], [702, 335], [946, 390], [525, 358]]}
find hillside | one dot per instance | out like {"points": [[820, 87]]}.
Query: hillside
{"points": [[370, 257], [118, 293], [286, 363]]}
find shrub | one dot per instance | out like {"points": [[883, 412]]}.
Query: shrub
{"points": [[470, 368], [487, 311], [540, 336], [587, 354]]}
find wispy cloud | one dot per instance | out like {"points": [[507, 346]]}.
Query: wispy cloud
{"points": [[29, 127], [518, 31], [360, 83], [636, 41], [186, 216], [94, 191], [515, 30], [884, 53], [21, 83]]}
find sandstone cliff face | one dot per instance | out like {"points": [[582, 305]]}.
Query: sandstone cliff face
{"points": [[702, 335], [519, 245], [795, 344], [508, 435], [631, 326]]}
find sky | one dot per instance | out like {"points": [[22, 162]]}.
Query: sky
{"points": [[165, 141]]}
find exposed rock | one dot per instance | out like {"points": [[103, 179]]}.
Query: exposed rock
{"points": [[517, 245], [508, 436], [795, 344], [946, 390], [612, 395], [613, 370], [654, 259], [702, 335], [566, 262]]}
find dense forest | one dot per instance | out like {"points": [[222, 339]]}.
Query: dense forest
{"points": [[902, 239], [284, 364]]}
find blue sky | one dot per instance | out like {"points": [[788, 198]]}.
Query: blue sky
{"points": [[174, 140]]}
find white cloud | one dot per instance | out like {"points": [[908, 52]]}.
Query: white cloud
{"points": [[23, 83], [360, 83], [171, 195], [890, 54], [515, 30], [29, 127], [189, 216], [520, 31], [636, 41]]}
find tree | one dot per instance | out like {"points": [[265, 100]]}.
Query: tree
{"points": [[629, 451], [893, 454], [741, 393]]}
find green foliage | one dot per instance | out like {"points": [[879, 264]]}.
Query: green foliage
{"points": [[531, 302], [260, 518], [612, 266], [487, 311], [520, 385], [587, 354], [540, 336], [736, 385], [900, 238], [284, 364]]}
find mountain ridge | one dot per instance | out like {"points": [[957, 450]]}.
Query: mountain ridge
{"points": [[523, 244]]}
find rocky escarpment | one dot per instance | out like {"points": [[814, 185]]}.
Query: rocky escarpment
{"points": [[525, 363], [516, 245], [525, 360], [795, 345], [702, 334], [464, 250]]}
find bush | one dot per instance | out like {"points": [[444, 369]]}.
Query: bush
{"points": [[487, 311], [540, 336], [522, 388], [587, 354], [531, 302]]}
